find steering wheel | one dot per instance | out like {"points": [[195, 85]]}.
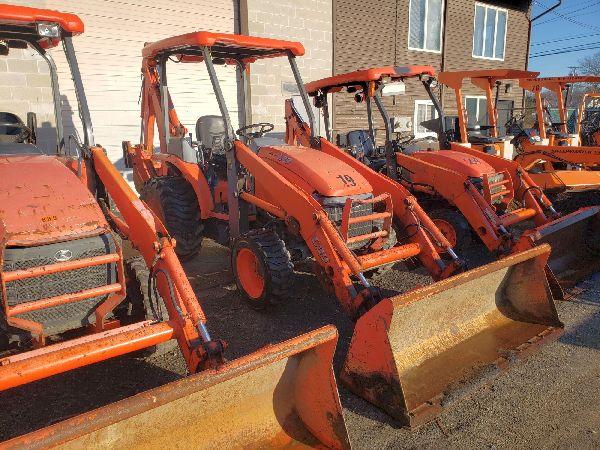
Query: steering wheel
{"points": [[261, 129], [25, 133]]}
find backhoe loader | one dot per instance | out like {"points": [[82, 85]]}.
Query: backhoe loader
{"points": [[464, 191], [70, 297], [276, 205], [554, 168]]}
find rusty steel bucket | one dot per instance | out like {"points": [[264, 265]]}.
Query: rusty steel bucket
{"points": [[575, 242], [281, 396], [413, 354]]}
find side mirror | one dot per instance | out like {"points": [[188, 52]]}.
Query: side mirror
{"points": [[32, 125]]}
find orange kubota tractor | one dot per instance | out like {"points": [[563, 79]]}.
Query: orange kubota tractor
{"points": [[70, 297], [553, 168], [276, 204], [463, 190]]}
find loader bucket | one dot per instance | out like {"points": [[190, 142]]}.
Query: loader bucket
{"points": [[575, 242], [282, 396], [413, 354]]}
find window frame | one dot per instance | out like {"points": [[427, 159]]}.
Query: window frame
{"points": [[478, 98], [485, 6], [416, 133], [416, 49]]}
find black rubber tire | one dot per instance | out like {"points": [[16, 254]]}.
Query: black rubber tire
{"points": [[274, 264], [137, 306], [392, 241], [462, 229], [174, 201]]}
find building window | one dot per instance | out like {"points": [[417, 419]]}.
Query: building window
{"points": [[477, 113], [424, 111], [489, 33], [425, 25]]}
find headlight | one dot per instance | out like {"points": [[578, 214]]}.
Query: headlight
{"points": [[48, 30]]}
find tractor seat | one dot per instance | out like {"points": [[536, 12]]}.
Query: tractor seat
{"points": [[210, 133], [11, 138], [362, 142], [9, 134]]}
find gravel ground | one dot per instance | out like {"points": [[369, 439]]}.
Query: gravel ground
{"points": [[550, 400]]}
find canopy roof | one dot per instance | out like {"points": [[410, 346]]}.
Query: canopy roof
{"points": [[455, 79], [223, 45], [336, 82]]}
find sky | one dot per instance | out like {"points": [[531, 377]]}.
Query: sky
{"points": [[572, 26]]}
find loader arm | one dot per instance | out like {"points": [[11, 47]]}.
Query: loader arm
{"points": [[143, 229], [588, 157], [526, 191], [297, 132]]}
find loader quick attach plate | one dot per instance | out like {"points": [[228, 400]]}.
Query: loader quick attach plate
{"points": [[414, 354], [282, 396]]}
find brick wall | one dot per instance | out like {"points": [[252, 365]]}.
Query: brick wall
{"points": [[376, 34], [25, 87], [272, 81]]}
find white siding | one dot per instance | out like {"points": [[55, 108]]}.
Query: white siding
{"points": [[109, 55]]}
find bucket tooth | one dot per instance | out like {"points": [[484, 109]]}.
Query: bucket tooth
{"points": [[284, 395], [413, 354]]}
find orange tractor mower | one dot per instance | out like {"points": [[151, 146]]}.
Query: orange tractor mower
{"points": [[70, 297], [464, 191], [588, 120], [278, 205]]}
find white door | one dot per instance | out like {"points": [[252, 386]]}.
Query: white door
{"points": [[424, 111]]}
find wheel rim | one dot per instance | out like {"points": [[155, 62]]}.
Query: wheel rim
{"points": [[248, 273], [447, 230]]}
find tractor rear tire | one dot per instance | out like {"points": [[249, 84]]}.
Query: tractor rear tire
{"points": [[454, 227], [174, 201], [138, 306], [262, 268]]}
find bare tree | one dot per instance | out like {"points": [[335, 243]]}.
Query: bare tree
{"points": [[590, 65]]}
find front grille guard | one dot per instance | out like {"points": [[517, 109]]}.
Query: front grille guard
{"points": [[500, 191], [348, 220], [115, 292]]}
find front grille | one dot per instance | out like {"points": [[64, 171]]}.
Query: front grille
{"points": [[63, 317], [334, 207]]}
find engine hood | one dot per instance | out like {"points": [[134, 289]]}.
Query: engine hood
{"points": [[315, 171], [460, 162], [42, 201]]}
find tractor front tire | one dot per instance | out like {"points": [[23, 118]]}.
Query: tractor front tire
{"points": [[262, 268], [175, 203], [454, 227]]}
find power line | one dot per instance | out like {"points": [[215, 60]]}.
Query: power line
{"points": [[594, 46], [568, 19], [568, 38], [569, 14]]}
